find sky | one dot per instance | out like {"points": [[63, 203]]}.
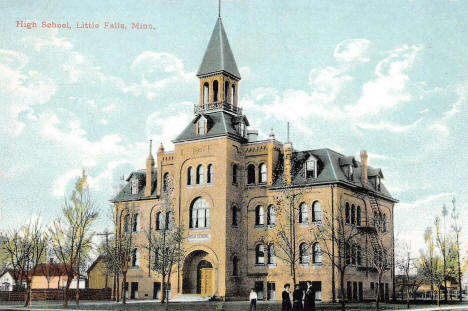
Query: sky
{"points": [[389, 77]]}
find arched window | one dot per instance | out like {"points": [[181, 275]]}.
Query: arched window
{"points": [[353, 214], [169, 220], [303, 253], [271, 215], [159, 220], [234, 215], [210, 174], [126, 223], [316, 253], [262, 173], [311, 167], [358, 255], [200, 214], [136, 223], [303, 214], [200, 175], [251, 174], [165, 182], [189, 175], [260, 254], [348, 214], [235, 266], [353, 254], [215, 91], [206, 93], [233, 95], [384, 223], [271, 254], [259, 216], [135, 258], [316, 212], [226, 91], [358, 216], [234, 174]]}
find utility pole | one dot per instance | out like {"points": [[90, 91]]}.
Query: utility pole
{"points": [[106, 234]]}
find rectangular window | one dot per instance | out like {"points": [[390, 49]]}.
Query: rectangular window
{"points": [[271, 288], [259, 289]]}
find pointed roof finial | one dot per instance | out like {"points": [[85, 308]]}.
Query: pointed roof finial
{"points": [[272, 134], [219, 8], [161, 147], [151, 145]]}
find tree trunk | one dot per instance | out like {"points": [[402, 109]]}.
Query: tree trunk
{"points": [[124, 292], [379, 284], [167, 294], [67, 289], [27, 301], [438, 297], [163, 289], [117, 291], [459, 272], [343, 307], [77, 291], [445, 289], [407, 295]]}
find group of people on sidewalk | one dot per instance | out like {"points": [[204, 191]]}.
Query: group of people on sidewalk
{"points": [[301, 300]]}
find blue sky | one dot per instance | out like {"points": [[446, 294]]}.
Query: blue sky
{"points": [[386, 76]]}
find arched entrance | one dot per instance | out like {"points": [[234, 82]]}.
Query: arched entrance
{"points": [[198, 274]]}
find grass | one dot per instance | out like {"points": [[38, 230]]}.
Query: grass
{"points": [[206, 306]]}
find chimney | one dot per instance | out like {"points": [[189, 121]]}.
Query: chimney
{"points": [[364, 166], [287, 150], [149, 173]]}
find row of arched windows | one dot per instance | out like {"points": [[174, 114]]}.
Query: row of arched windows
{"points": [[262, 174], [229, 92], [164, 221], [304, 253], [260, 251], [303, 214], [353, 214], [200, 175], [380, 221], [353, 254], [131, 225]]}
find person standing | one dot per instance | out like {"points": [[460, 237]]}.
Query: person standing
{"points": [[286, 299], [309, 299], [297, 298], [253, 299]]}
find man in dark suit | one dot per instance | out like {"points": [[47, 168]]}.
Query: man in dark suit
{"points": [[309, 300], [286, 300], [297, 298]]}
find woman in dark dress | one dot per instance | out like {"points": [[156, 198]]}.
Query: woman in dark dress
{"points": [[297, 298], [286, 300], [309, 299]]}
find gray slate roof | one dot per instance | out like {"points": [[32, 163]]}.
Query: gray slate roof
{"points": [[218, 55], [330, 170], [126, 193], [220, 123]]}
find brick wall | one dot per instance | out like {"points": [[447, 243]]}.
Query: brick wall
{"points": [[58, 294]]}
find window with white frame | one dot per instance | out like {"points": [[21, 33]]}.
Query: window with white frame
{"points": [[311, 168], [251, 174], [202, 126], [210, 174], [262, 170], [135, 258], [271, 254], [259, 216], [303, 253], [200, 175], [316, 212], [159, 221], [200, 214], [134, 185], [303, 213], [271, 215], [260, 254], [189, 176], [316, 253]]}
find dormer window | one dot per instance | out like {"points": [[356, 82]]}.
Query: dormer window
{"points": [[202, 126], [311, 168], [134, 185], [351, 172], [377, 183]]}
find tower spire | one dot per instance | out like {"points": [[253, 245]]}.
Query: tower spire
{"points": [[219, 8]]}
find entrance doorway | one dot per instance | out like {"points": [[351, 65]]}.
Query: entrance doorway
{"points": [[134, 290], [157, 290], [199, 274], [205, 278]]}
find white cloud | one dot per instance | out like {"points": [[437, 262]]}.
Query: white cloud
{"points": [[424, 201], [327, 83], [352, 50], [389, 88], [62, 181], [382, 125]]}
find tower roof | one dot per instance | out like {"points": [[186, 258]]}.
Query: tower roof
{"points": [[218, 55]]}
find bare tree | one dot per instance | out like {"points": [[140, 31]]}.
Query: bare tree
{"points": [[442, 243], [457, 228], [71, 234], [336, 237], [405, 263], [166, 243], [26, 247]]}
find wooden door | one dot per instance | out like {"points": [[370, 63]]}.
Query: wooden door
{"points": [[207, 282]]}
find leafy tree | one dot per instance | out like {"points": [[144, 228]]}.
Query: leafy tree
{"points": [[405, 262], [71, 234], [25, 248], [457, 229]]}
